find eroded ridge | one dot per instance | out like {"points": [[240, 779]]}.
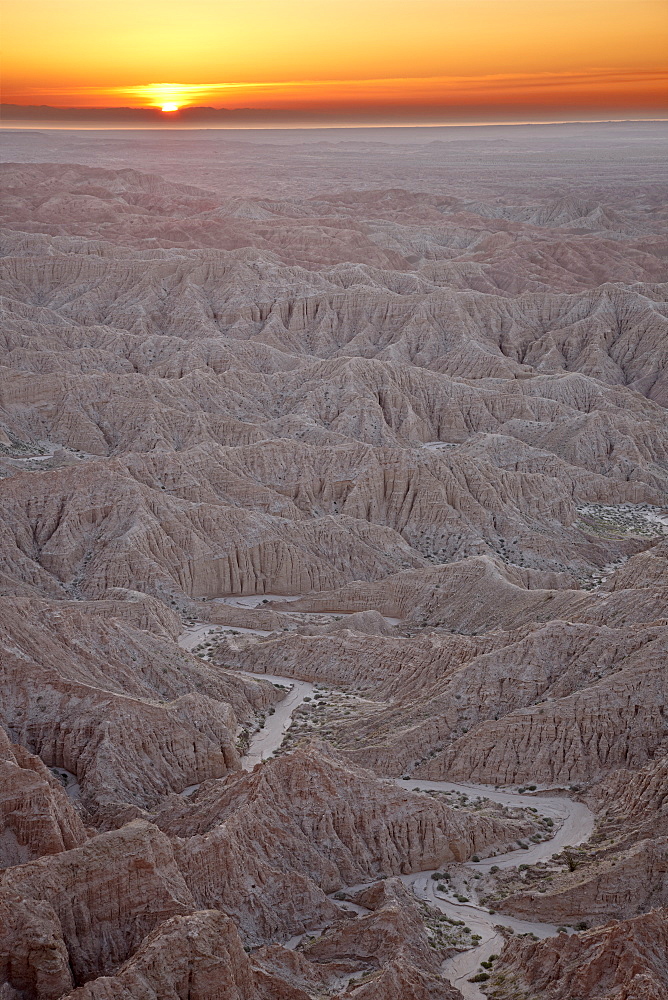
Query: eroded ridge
{"points": [[333, 600]]}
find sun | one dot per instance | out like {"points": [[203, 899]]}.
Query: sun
{"points": [[170, 107]]}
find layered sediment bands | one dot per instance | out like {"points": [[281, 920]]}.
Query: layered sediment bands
{"points": [[644, 570], [425, 394], [634, 804], [393, 930], [286, 832], [622, 884], [625, 960], [313, 798], [361, 622], [107, 895], [378, 403], [33, 958], [294, 824], [82, 533], [390, 938], [579, 737], [482, 594], [36, 816], [624, 870], [558, 702], [387, 944], [617, 722], [398, 981], [139, 610], [606, 331], [495, 672], [143, 699], [194, 957]]}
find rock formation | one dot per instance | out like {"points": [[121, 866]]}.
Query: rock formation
{"points": [[143, 698], [36, 815], [625, 960], [385, 419], [195, 957]]}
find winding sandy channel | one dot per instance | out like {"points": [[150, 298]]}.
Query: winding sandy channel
{"points": [[576, 826], [270, 737]]}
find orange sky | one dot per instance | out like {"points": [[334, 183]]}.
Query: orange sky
{"points": [[540, 55]]}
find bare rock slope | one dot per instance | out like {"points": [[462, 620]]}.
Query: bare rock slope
{"points": [[382, 415]]}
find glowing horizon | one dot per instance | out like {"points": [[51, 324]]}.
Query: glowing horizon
{"points": [[329, 56]]}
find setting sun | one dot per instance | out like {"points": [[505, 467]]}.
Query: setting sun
{"points": [[432, 60]]}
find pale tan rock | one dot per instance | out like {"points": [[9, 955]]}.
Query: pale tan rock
{"points": [[398, 981], [107, 895], [618, 723], [36, 816], [222, 549], [634, 804], [194, 957], [620, 961], [393, 931], [295, 969], [140, 610], [33, 958], [363, 623], [98, 697], [619, 885], [482, 594], [534, 701], [386, 400], [266, 847], [623, 870], [645, 570], [388, 946]]}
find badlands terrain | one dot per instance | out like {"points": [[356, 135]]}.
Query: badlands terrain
{"points": [[334, 590]]}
